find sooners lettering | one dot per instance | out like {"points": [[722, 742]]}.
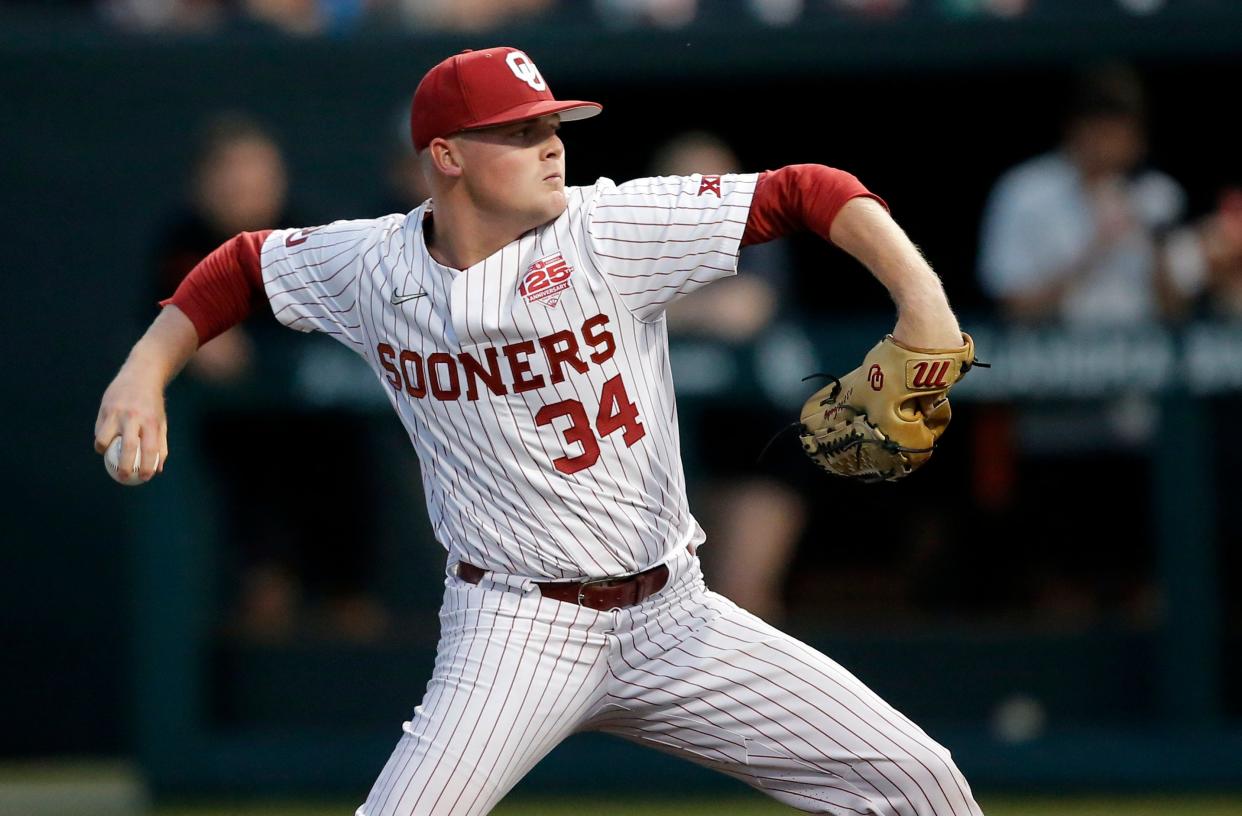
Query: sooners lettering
{"points": [[595, 335], [412, 371], [448, 388], [442, 373], [475, 371], [557, 357], [520, 366], [930, 374]]}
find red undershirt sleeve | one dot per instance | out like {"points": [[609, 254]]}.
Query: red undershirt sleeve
{"points": [[225, 287], [800, 197]]}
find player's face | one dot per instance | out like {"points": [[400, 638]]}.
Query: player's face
{"points": [[517, 170]]}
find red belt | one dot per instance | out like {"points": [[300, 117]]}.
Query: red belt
{"points": [[597, 593]]}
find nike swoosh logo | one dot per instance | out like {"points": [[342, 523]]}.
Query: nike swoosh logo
{"points": [[397, 300]]}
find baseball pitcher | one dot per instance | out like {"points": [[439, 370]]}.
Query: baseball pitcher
{"points": [[517, 327]]}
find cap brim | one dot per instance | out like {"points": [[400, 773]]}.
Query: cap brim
{"points": [[570, 110]]}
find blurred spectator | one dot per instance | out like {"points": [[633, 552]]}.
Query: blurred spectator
{"points": [[239, 183], [872, 8], [1221, 237], [296, 17], [658, 13], [314, 17], [1207, 255], [777, 12], [1075, 234], [299, 17], [1080, 236], [472, 16], [273, 478], [165, 15], [756, 515]]}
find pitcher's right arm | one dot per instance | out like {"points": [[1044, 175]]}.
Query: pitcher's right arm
{"points": [[218, 294]]}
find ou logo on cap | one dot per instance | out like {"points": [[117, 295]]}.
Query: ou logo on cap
{"points": [[525, 70]]}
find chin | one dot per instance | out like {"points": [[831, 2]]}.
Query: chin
{"points": [[556, 204]]}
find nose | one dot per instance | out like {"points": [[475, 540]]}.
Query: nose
{"points": [[555, 147]]}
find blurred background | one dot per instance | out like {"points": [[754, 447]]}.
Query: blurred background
{"points": [[1056, 597]]}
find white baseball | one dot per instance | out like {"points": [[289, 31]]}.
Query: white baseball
{"points": [[112, 463]]}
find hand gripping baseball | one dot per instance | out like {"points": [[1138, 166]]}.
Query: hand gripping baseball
{"points": [[881, 421], [133, 405], [133, 411]]}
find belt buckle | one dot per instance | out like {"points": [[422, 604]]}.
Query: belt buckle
{"points": [[582, 587]]}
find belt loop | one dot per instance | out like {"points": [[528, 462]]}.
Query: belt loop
{"points": [[505, 581], [496, 580]]}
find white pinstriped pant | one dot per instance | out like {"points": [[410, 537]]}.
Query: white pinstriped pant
{"points": [[686, 672]]}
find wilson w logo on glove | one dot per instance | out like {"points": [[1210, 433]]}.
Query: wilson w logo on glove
{"points": [[928, 374]]}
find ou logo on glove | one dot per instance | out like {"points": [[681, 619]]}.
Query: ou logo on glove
{"points": [[525, 70], [876, 377]]}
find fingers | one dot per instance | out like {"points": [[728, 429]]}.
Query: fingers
{"points": [[131, 432], [151, 436], [138, 418], [107, 426], [144, 447], [163, 458]]}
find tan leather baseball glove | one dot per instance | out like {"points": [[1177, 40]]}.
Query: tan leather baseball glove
{"points": [[881, 421]]}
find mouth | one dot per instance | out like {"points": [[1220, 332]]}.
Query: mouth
{"points": [[554, 177]]}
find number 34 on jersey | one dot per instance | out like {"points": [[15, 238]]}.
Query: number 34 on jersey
{"points": [[441, 376]]}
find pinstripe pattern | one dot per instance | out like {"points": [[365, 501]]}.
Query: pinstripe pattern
{"points": [[686, 672], [513, 675], [547, 438], [494, 495], [709, 681]]}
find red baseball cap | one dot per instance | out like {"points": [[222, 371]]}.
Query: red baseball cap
{"points": [[476, 89]]}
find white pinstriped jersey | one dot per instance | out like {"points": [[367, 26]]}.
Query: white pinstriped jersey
{"points": [[535, 385]]}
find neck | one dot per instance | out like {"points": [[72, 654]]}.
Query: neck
{"points": [[460, 237]]}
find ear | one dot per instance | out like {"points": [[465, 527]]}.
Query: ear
{"points": [[446, 157]]}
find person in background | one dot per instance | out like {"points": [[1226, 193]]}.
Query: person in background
{"points": [[1207, 256], [239, 181], [468, 16], [1076, 234], [1081, 237], [289, 554], [757, 515]]}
